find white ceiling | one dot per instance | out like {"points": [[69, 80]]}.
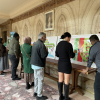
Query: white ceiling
{"points": [[12, 8]]}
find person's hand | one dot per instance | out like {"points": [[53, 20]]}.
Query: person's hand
{"points": [[75, 51], [84, 71], [17, 56]]}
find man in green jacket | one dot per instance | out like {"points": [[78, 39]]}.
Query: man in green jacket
{"points": [[14, 53]]}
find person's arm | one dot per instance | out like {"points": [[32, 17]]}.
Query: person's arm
{"points": [[20, 54], [71, 53], [43, 51], [91, 59], [30, 52], [56, 52], [3, 49], [16, 48]]}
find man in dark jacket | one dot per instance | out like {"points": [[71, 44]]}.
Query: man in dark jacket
{"points": [[38, 60], [94, 56], [14, 53]]}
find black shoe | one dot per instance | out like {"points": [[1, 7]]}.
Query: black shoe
{"points": [[2, 74], [17, 78], [41, 98], [27, 85], [35, 94], [32, 84]]}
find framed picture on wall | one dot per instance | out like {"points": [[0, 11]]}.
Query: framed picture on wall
{"points": [[49, 20]]}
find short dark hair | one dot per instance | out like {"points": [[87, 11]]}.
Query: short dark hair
{"points": [[94, 38], [16, 35], [66, 34]]}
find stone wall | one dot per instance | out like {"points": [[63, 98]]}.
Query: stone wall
{"points": [[77, 17]]}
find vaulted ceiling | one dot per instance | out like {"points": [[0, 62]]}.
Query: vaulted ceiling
{"points": [[12, 8]]}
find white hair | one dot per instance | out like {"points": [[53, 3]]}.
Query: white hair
{"points": [[42, 34]]}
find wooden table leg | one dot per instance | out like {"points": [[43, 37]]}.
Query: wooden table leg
{"points": [[78, 88], [74, 85]]}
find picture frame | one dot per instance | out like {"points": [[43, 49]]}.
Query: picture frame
{"points": [[49, 20]]}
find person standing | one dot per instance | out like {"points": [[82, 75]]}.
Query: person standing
{"points": [[4, 64], [26, 53], [64, 51], [94, 56], [14, 54], [38, 60]]}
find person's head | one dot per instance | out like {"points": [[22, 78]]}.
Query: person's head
{"points": [[42, 36], [1, 40], [27, 40], [94, 39], [16, 35], [66, 36]]}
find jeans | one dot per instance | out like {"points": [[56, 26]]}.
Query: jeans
{"points": [[97, 86], [14, 65]]}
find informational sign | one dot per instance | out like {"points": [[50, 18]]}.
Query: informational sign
{"points": [[50, 43]]}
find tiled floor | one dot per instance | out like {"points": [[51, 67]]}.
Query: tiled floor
{"points": [[53, 84], [15, 90]]}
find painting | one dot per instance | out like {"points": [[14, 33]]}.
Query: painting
{"points": [[49, 20]]}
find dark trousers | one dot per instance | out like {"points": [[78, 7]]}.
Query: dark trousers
{"points": [[97, 86], [14, 65]]}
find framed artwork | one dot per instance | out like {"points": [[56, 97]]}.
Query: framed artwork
{"points": [[49, 20]]}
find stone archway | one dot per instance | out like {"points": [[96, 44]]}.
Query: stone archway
{"points": [[25, 33], [61, 25], [39, 28]]}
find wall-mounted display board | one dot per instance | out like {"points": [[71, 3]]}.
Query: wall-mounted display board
{"points": [[51, 43], [81, 43]]}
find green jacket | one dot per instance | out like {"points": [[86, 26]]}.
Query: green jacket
{"points": [[14, 47], [26, 58]]}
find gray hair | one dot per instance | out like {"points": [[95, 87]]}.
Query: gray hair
{"points": [[41, 35]]}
